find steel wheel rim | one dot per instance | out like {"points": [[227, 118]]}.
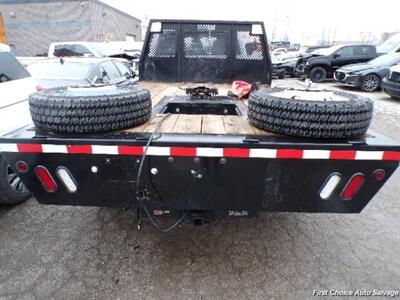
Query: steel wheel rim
{"points": [[370, 83], [15, 182]]}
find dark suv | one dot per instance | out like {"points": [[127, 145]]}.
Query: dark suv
{"points": [[322, 64], [391, 83]]}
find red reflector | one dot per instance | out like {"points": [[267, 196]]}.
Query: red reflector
{"points": [[391, 155], [79, 149], [379, 175], [130, 150], [353, 186], [236, 152], [46, 179], [183, 151], [289, 153], [343, 154], [32, 148], [21, 166]]}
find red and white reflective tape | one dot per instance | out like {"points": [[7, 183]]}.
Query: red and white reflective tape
{"points": [[204, 152]]}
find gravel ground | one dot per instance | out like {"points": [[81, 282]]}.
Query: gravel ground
{"points": [[96, 253]]}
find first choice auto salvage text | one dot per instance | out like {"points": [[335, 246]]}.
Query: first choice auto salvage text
{"points": [[378, 293]]}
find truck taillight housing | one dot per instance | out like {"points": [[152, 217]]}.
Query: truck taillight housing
{"points": [[353, 186], [329, 186], [67, 180], [46, 179], [379, 175], [21, 166]]}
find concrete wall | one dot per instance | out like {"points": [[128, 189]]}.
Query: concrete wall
{"points": [[32, 26]]}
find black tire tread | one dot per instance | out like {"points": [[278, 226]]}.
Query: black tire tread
{"points": [[313, 119], [90, 114]]}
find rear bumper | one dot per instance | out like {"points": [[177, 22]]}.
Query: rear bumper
{"points": [[390, 87], [208, 173]]}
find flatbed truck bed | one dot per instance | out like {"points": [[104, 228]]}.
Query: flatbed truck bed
{"points": [[201, 158], [189, 123], [206, 162]]}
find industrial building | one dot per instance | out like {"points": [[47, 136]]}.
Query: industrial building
{"points": [[31, 25]]}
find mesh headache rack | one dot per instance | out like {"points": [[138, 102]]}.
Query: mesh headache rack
{"points": [[205, 51]]}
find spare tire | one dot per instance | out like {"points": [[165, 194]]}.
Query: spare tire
{"points": [[310, 113], [90, 109]]}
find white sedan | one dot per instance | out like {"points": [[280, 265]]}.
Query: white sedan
{"points": [[16, 85]]}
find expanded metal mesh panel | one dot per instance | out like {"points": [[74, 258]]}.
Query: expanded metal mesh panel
{"points": [[201, 51], [206, 42], [205, 27], [163, 44], [248, 46]]}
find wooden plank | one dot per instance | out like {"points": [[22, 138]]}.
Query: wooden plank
{"points": [[170, 91], [188, 124], [258, 131], [212, 124], [241, 125], [207, 124], [166, 127], [142, 128], [237, 125], [152, 124], [157, 89], [169, 124]]}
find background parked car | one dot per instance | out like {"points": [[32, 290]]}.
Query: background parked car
{"points": [[391, 83], [96, 49], [392, 44], [278, 69], [303, 51], [279, 51], [81, 71], [16, 85], [290, 59], [117, 49], [367, 76], [322, 63]]}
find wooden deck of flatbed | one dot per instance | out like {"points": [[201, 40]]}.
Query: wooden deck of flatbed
{"points": [[193, 124]]}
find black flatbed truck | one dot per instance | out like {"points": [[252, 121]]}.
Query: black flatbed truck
{"points": [[200, 158]]}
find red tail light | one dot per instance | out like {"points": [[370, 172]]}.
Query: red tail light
{"points": [[353, 186], [379, 175], [46, 179], [22, 166]]}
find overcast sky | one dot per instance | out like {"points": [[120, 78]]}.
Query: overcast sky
{"points": [[303, 21]]}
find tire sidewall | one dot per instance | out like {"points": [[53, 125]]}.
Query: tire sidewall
{"points": [[57, 111], [7, 194], [283, 114], [351, 98], [314, 71], [365, 78]]}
